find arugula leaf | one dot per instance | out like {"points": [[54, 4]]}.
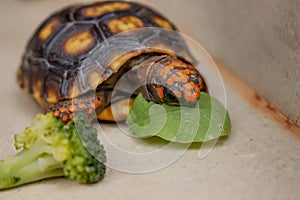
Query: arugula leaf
{"points": [[208, 120]]}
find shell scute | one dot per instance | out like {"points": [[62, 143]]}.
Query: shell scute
{"points": [[73, 45], [101, 8]]}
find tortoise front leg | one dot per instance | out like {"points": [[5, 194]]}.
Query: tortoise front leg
{"points": [[89, 105]]}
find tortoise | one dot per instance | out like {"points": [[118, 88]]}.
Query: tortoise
{"points": [[71, 45]]}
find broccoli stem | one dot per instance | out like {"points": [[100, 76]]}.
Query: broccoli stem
{"points": [[27, 174], [29, 166]]}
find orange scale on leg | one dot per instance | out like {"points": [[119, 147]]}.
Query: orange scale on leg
{"points": [[63, 110], [91, 110], [72, 108], [56, 113], [65, 118]]}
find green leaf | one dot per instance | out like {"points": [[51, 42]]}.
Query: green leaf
{"points": [[208, 120]]}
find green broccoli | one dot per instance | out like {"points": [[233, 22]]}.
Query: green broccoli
{"points": [[52, 149]]}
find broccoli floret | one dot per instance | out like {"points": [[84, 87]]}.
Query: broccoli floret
{"points": [[48, 148]]}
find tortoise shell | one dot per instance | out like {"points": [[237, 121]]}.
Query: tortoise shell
{"points": [[74, 44]]}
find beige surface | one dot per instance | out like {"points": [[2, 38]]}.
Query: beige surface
{"points": [[260, 160]]}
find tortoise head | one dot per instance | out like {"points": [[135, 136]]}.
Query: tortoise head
{"points": [[174, 81]]}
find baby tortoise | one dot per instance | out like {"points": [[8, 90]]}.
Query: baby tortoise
{"points": [[69, 56]]}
